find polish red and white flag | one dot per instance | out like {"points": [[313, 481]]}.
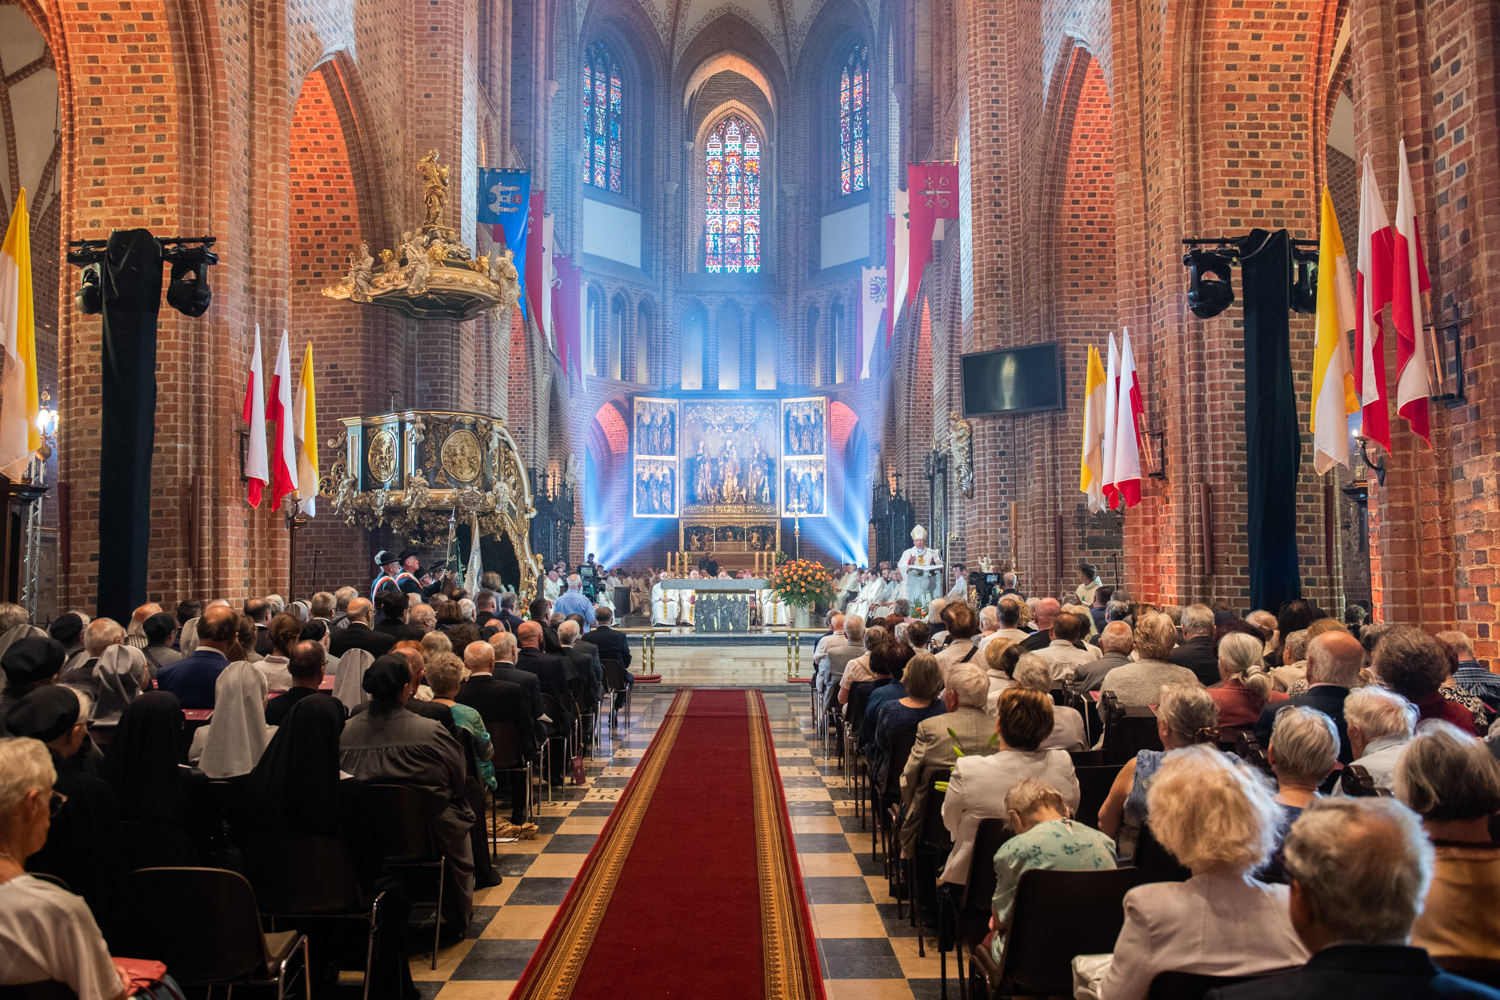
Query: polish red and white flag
{"points": [[1372, 293], [284, 455], [1127, 435], [256, 470], [1408, 282]]}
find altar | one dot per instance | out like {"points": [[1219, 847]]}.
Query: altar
{"points": [[721, 605]]}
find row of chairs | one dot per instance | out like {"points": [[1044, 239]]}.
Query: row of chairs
{"points": [[181, 911]]}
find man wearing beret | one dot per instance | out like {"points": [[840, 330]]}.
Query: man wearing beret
{"points": [[85, 844], [29, 663], [68, 629]]}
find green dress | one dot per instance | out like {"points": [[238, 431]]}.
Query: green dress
{"points": [[1057, 844]]}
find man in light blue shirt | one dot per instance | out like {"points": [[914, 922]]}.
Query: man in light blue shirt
{"points": [[572, 601]]}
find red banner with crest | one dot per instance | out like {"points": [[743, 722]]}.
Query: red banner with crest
{"points": [[933, 192]]}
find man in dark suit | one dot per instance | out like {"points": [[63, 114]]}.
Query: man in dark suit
{"points": [[258, 610], [1357, 871], [553, 677], [584, 657], [358, 634], [1196, 650], [394, 608], [499, 702], [507, 612], [613, 645], [502, 656], [192, 678], [1334, 660], [540, 610], [484, 608]]}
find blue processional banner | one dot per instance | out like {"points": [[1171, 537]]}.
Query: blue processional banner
{"points": [[504, 204]]}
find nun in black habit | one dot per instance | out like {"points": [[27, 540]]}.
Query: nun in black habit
{"points": [[297, 786]]}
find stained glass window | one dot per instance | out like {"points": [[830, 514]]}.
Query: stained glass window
{"points": [[602, 113], [854, 122], [732, 165]]}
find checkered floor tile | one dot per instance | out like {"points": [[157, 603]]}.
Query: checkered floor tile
{"points": [[865, 950]]}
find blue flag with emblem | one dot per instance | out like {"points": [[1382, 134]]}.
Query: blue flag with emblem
{"points": [[504, 204]]}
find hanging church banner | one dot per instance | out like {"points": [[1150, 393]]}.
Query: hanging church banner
{"points": [[654, 443], [932, 192], [871, 307], [504, 205], [804, 449]]}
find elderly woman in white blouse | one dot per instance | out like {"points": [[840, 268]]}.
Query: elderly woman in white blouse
{"points": [[1220, 820], [46, 933]]}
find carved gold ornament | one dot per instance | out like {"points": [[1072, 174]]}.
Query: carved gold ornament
{"points": [[431, 273], [381, 458], [461, 455]]}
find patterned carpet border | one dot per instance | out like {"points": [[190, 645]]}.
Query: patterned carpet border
{"points": [[553, 971], [788, 943]]}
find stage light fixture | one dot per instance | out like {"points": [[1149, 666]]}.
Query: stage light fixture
{"points": [[1209, 288], [1305, 288], [188, 291], [90, 294]]}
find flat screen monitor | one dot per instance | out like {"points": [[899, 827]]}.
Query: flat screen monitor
{"points": [[1013, 380]]}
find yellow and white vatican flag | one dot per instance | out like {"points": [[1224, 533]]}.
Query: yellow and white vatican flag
{"points": [[1091, 467], [1333, 371], [305, 435], [20, 436]]}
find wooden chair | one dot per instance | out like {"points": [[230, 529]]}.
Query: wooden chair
{"points": [[971, 917], [1154, 862], [1094, 784], [1193, 985], [205, 925], [1057, 915], [507, 759], [1128, 729], [309, 881], [401, 818]]}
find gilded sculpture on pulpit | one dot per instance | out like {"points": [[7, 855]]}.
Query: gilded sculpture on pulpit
{"points": [[434, 188]]}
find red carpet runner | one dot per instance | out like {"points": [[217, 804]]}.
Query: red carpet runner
{"points": [[693, 888]]}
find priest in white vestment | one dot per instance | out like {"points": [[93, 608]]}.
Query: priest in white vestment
{"points": [[921, 569]]}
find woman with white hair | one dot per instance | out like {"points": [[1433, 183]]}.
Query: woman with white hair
{"points": [[1185, 716], [1303, 752], [1293, 660], [1453, 782], [1218, 818], [1034, 672], [1380, 725], [1246, 687], [46, 933]]}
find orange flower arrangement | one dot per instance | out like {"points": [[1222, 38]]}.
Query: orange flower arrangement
{"points": [[802, 582]]}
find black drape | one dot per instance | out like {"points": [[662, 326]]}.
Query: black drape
{"points": [[1273, 441], [127, 432]]}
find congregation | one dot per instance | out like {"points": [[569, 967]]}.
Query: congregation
{"points": [[1312, 801], [1301, 801], [223, 737]]}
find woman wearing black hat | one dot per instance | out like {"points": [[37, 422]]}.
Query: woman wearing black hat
{"points": [[298, 787], [390, 746]]}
